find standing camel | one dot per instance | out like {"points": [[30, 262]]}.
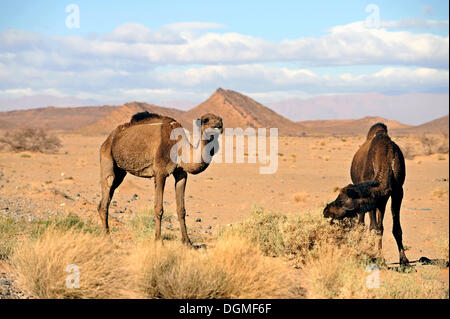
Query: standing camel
{"points": [[144, 147], [378, 172]]}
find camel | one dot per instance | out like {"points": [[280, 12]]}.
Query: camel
{"points": [[143, 147], [377, 172]]}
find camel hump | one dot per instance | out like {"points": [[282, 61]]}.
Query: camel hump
{"points": [[378, 128], [141, 116]]}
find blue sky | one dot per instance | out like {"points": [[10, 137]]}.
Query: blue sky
{"points": [[182, 50], [275, 20]]}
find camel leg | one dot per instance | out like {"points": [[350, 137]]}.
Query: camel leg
{"points": [[160, 182], [396, 198], [111, 177], [373, 220], [180, 186], [381, 208], [361, 218]]}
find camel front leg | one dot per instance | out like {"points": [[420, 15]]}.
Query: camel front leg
{"points": [[180, 186], [160, 182]]}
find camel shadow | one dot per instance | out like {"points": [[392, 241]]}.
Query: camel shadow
{"points": [[422, 261]]}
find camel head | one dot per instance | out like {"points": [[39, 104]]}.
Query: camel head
{"points": [[378, 128], [352, 199], [211, 125]]}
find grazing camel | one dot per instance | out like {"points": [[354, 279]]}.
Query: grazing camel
{"points": [[378, 172], [143, 147]]}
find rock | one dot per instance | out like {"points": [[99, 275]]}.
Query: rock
{"points": [[198, 220], [208, 227]]}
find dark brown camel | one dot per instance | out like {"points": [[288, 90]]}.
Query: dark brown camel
{"points": [[143, 147], [377, 172]]}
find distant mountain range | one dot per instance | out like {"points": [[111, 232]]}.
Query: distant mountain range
{"points": [[237, 110], [417, 108]]}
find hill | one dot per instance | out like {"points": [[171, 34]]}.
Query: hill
{"points": [[437, 126], [351, 127], [53, 118], [238, 110]]}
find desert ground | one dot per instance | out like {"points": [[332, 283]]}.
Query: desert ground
{"points": [[310, 170], [35, 185]]}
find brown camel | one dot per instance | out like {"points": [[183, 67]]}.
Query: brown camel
{"points": [[143, 147], [378, 172]]}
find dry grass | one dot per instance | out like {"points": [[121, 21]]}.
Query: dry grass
{"points": [[262, 228], [40, 266], [301, 197], [294, 238], [332, 260], [305, 233], [232, 269], [439, 193], [335, 274]]}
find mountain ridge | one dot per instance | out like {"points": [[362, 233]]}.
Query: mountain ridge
{"points": [[236, 109]]}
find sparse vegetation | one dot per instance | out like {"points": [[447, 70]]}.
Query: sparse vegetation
{"points": [[30, 139], [296, 237], [331, 258], [300, 197], [232, 269], [42, 266], [438, 193]]}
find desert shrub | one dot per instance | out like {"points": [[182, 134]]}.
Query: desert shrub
{"points": [[408, 151], [262, 228], [300, 197], [297, 237], [232, 269], [41, 266], [428, 143], [30, 139], [303, 234]]}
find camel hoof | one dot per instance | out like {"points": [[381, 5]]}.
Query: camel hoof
{"points": [[404, 261]]}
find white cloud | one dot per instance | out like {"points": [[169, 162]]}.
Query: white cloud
{"points": [[415, 23], [261, 77], [136, 46], [134, 60]]}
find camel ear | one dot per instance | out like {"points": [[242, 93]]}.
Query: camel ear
{"points": [[366, 204]]}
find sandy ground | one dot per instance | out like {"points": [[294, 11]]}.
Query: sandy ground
{"points": [[39, 185]]}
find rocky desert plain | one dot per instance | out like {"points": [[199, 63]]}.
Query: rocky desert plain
{"points": [[314, 159]]}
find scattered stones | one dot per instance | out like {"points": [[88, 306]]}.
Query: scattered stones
{"points": [[7, 289]]}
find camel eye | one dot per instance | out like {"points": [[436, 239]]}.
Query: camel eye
{"points": [[205, 121]]}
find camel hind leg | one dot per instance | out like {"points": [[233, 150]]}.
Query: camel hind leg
{"points": [[396, 198], [111, 177]]}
